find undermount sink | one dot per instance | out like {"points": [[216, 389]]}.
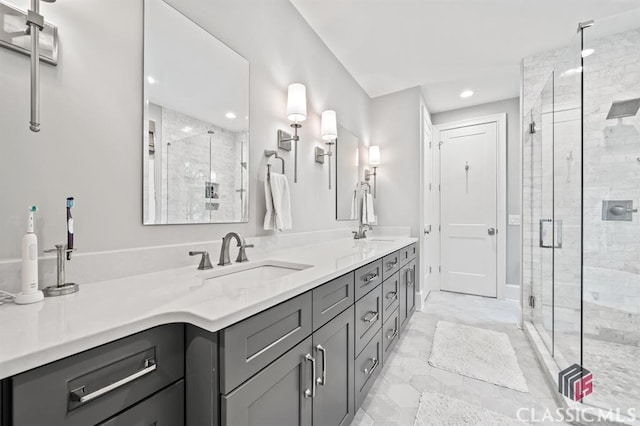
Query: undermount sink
{"points": [[264, 270], [382, 240]]}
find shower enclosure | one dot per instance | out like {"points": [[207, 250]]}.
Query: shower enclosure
{"points": [[581, 192]]}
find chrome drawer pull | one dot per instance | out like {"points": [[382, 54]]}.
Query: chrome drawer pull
{"points": [[392, 335], [372, 318], [374, 365], [391, 265], [77, 394], [311, 393], [323, 380], [370, 278], [392, 295]]}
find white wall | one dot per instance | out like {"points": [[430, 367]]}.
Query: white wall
{"points": [[395, 127], [90, 143], [512, 108]]}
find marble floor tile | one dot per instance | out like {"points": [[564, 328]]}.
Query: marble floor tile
{"points": [[393, 400]]}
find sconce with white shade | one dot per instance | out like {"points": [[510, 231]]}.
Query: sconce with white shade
{"points": [[374, 161], [329, 133], [296, 113]]}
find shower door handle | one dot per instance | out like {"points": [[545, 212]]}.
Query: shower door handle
{"points": [[492, 231]]}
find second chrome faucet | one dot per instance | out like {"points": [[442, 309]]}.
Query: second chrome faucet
{"points": [[224, 250]]}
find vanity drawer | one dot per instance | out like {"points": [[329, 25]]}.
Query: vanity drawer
{"points": [[368, 366], [408, 253], [332, 298], [390, 264], [89, 387], [390, 295], [250, 345], [368, 318], [166, 408], [390, 334], [368, 277]]}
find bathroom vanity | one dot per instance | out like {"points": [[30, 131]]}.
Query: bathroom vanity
{"points": [[302, 348]]}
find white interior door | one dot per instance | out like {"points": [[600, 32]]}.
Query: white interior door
{"points": [[468, 209]]}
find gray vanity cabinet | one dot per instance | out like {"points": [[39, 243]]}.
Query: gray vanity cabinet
{"points": [[407, 292], [166, 408], [334, 404], [278, 395]]}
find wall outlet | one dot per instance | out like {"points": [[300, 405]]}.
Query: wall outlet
{"points": [[514, 219]]}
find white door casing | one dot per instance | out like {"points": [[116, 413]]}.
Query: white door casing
{"points": [[471, 166], [426, 237]]}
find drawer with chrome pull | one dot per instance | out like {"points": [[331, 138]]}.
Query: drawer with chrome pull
{"points": [[390, 264], [368, 318], [368, 277], [407, 253], [368, 366], [390, 295], [89, 387], [390, 333]]}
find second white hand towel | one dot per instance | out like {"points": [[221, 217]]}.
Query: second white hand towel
{"points": [[281, 201], [370, 213]]}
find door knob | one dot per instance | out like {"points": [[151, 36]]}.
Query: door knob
{"points": [[492, 231]]}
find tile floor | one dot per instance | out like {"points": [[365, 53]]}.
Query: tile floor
{"points": [[393, 399]]}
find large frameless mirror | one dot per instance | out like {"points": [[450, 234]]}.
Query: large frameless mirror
{"points": [[196, 123]]}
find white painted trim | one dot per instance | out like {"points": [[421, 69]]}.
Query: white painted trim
{"points": [[501, 122], [522, 220], [423, 292], [512, 292]]}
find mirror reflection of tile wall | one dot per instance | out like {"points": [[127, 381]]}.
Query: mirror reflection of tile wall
{"points": [[196, 121]]}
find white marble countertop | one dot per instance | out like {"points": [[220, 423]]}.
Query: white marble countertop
{"points": [[34, 335]]}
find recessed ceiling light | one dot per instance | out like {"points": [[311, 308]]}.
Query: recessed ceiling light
{"points": [[187, 129], [587, 52], [151, 79], [230, 115], [466, 94]]}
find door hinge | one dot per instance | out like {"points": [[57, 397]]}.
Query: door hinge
{"points": [[439, 228], [440, 144], [429, 269], [438, 187], [429, 186], [429, 144], [532, 301], [439, 268]]}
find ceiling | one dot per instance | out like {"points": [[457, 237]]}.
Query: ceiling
{"points": [[447, 46]]}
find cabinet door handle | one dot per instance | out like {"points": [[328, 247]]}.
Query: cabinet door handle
{"points": [[370, 278], [79, 396], [311, 393], [392, 335], [392, 295], [372, 318], [323, 380], [374, 364]]}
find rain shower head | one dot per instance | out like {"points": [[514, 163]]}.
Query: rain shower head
{"points": [[620, 109]]}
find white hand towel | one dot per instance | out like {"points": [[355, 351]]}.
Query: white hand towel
{"points": [[269, 217], [370, 218], [280, 218]]}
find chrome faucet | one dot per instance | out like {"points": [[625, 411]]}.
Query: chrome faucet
{"points": [[205, 262], [361, 232], [224, 250]]}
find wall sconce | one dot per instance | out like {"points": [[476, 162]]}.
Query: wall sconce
{"points": [[296, 113], [328, 132], [374, 160]]}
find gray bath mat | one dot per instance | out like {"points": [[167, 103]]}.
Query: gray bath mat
{"points": [[440, 410], [478, 353]]}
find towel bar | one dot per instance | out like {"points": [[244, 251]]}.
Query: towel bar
{"points": [[268, 153]]}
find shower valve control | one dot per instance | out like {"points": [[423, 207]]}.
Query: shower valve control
{"points": [[618, 210]]}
